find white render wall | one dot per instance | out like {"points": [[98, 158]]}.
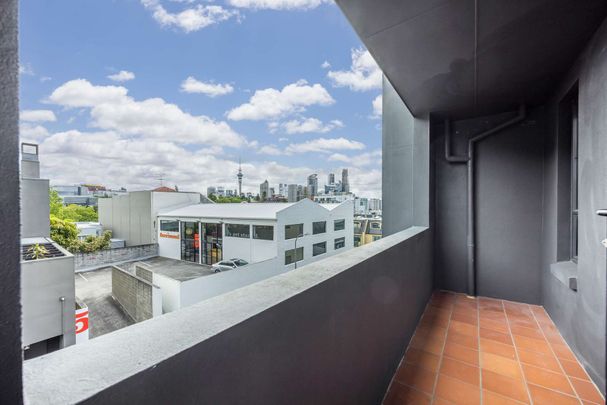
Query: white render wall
{"points": [[132, 216], [255, 250], [307, 212]]}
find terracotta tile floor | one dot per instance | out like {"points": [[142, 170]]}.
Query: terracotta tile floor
{"points": [[486, 351]]}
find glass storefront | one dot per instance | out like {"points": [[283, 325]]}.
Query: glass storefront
{"points": [[212, 242], [190, 242]]}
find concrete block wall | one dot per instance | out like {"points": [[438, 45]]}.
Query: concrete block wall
{"points": [[95, 260], [135, 294]]}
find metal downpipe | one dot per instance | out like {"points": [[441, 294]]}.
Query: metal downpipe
{"points": [[471, 219]]}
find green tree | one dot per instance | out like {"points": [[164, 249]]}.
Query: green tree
{"points": [[56, 203], [63, 232], [71, 212]]}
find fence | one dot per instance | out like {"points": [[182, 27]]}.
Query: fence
{"points": [[107, 257]]}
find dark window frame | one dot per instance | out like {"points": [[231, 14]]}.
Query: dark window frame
{"points": [[341, 241], [339, 221], [324, 244], [324, 227], [255, 234], [299, 234], [165, 221], [238, 234], [297, 256]]}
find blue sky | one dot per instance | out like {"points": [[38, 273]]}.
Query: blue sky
{"points": [[124, 92]]}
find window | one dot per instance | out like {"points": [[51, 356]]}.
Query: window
{"points": [[293, 231], [293, 255], [169, 226], [319, 227], [339, 243], [265, 232], [238, 230], [339, 225], [375, 225], [574, 181], [568, 178], [319, 248]]}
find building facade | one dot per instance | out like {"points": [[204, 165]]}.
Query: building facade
{"points": [[132, 217], [300, 232]]}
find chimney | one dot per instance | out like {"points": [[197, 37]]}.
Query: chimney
{"points": [[30, 165]]}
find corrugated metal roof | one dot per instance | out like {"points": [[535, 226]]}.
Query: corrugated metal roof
{"points": [[234, 210]]}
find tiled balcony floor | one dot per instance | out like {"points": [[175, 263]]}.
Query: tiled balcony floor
{"points": [[487, 351]]}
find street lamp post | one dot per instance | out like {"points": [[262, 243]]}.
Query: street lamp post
{"points": [[301, 235]]}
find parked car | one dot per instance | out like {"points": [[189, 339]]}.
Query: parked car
{"points": [[228, 265]]}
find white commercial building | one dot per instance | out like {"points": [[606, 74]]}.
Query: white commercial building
{"points": [[295, 233]]}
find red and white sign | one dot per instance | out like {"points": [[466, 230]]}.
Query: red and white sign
{"points": [[170, 235], [82, 325]]}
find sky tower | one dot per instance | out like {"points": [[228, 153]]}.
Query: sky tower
{"points": [[239, 175]]}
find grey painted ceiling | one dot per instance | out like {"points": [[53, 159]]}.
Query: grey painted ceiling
{"points": [[471, 57]]}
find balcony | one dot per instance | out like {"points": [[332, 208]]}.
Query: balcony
{"points": [[469, 350], [483, 104]]}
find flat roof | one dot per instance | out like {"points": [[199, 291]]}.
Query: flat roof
{"points": [[175, 269], [234, 210]]}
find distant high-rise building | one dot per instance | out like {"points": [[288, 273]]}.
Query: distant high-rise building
{"points": [[239, 175], [292, 193], [211, 190], [264, 190], [272, 192], [283, 189], [345, 183], [374, 204], [312, 185], [331, 179]]}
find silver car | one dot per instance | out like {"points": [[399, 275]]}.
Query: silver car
{"points": [[228, 265]]}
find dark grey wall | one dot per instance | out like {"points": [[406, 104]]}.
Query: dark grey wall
{"points": [[405, 168], [10, 308], [336, 343], [580, 316], [508, 198]]}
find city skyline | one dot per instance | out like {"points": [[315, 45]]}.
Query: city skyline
{"points": [[178, 104]]}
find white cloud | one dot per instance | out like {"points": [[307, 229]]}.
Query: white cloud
{"points": [[112, 109], [278, 4], [364, 74], [325, 65], [81, 93], [360, 160], [269, 150], [324, 145], [272, 103], [26, 69], [377, 104], [108, 158], [32, 132], [190, 19], [37, 116], [122, 76], [191, 85], [310, 125]]}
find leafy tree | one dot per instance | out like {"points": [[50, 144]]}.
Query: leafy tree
{"points": [[92, 243], [71, 212], [63, 232], [223, 200], [56, 203]]}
